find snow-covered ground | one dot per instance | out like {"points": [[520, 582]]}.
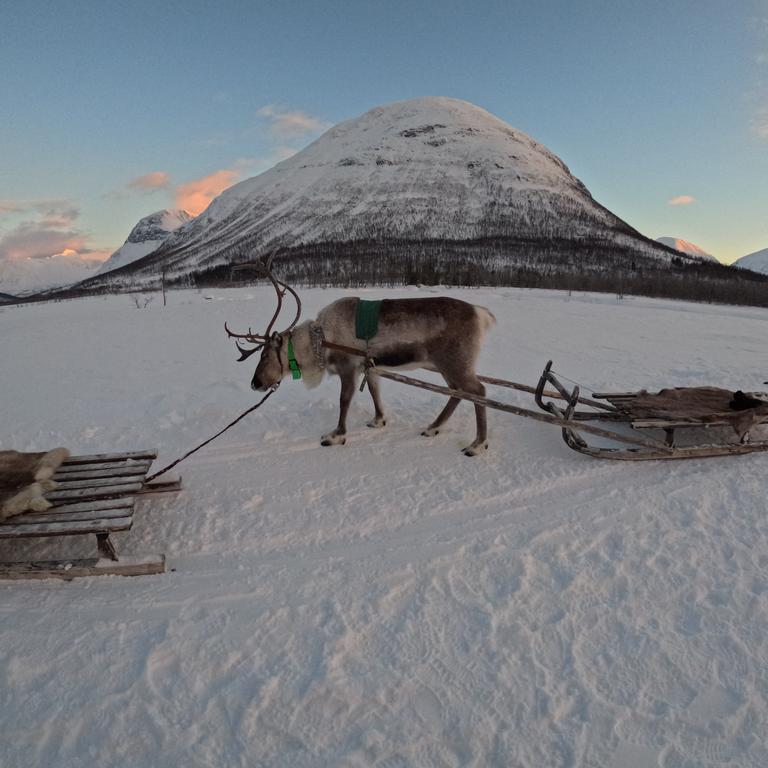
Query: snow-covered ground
{"points": [[390, 602]]}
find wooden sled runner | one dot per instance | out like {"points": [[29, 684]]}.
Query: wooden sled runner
{"points": [[644, 411], [95, 495]]}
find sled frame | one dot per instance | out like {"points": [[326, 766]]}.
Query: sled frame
{"points": [[95, 495], [612, 411]]}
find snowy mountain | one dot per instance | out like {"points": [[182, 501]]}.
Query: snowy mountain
{"points": [[757, 261], [21, 276], [423, 177], [691, 249], [148, 235]]}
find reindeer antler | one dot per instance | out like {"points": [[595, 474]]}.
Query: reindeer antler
{"points": [[281, 289]]}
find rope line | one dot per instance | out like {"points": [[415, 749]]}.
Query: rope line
{"points": [[210, 439]]}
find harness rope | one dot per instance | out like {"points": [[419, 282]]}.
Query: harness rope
{"points": [[210, 439]]}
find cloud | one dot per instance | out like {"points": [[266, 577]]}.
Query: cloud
{"points": [[287, 124], [36, 240], [46, 231], [57, 212], [195, 196], [149, 182], [146, 184], [760, 123], [681, 200]]}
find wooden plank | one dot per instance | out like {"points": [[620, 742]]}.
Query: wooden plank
{"points": [[85, 494], [65, 529], [169, 485], [663, 424], [72, 569], [64, 485], [52, 516], [87, 506], [75, 473], [106, 457], [97, 465]]}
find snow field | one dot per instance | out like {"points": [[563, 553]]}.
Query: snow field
{"points": [[388, 603]]}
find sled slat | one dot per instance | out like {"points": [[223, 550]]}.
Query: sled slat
{"points": [[95, 471], [52, 516], [107, 525], [101, 482], [107, 457], [124, 502], [84, 494]]}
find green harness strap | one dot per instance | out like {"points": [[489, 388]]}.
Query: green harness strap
{"points": [[293, 364], [367, 319]]}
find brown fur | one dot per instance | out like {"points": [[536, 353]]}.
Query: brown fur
{"points": [[440, 334], [704, 405]]}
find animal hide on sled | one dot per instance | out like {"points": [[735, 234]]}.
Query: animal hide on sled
{"points": [[24, 478], [702, 405]]}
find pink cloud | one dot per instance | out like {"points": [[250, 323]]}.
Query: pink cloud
{"points": [[34, 240], [196, 195], [288, 124], [150, 182], [47, 233], [681, 200]]}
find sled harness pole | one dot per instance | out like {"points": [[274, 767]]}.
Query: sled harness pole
{"points": [[211, 439]]}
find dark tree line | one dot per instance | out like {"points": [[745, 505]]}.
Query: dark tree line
{"points": [[585, 264]]}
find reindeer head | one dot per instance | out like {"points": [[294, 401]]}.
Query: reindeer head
{"points": [[273, 364]]}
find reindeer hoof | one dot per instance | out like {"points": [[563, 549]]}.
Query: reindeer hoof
{"points": [[475, 450], [430, 432], [333, 440], [377, 423]]}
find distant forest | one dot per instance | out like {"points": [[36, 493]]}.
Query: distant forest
{"points": [[595, 264]]}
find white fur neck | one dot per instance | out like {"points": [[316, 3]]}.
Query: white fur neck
{"points": [[311, 373]]}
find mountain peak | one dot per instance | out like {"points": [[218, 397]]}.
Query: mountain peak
{"points": [[146, 236], [690, 249], [427, 179], [757, 261]]}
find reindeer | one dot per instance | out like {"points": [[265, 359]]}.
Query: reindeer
{"points": [[439, 334]]}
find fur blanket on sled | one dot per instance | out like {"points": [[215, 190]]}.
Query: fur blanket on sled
{"points": [[24, 478], [702, 405]]}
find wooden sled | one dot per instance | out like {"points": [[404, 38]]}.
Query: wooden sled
{"points": [[95, 495], [575, 423], [619, 408]]}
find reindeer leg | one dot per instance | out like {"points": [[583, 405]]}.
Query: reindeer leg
{"points": [[453, 402], [338, 436], [480, 444], [379, 420]]}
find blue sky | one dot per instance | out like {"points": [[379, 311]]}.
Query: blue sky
{"points": [[109, 111]]}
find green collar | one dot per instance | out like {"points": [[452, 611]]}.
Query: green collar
{"points": [[292, 362]]}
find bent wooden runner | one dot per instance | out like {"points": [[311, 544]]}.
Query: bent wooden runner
{"points": [[95, 494]]}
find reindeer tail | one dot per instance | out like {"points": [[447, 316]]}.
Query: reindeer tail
{"points": [[485, 316]]}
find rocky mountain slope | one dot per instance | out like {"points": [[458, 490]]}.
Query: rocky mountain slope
{"points": [[147, 236]]}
